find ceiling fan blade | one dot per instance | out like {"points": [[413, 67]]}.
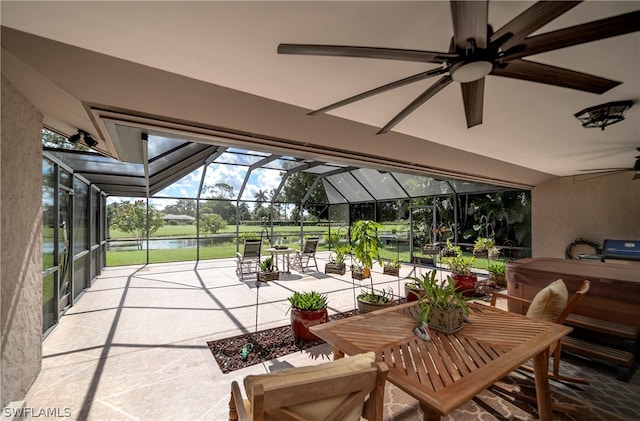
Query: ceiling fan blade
{"points": [[607, 169], [470, 22], [428, 93], [380, 89], [531, 20], [579, 34], [366, 52], [473, 99], [551, 75]]}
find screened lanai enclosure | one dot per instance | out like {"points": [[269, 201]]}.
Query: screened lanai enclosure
{"points": [[181, 198]]}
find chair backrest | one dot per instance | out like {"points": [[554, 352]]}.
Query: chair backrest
{"points": [[286, 402], [252, 248], [573, 301], [310, 245]]}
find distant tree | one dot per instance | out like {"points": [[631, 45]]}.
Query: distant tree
{"points": [[221, 191], [112, 211], [243, 212], [295, 188], [502, 216], [261, 213], [182, 207], [212, 223], [223, 206], [131, 218], [261, 196]]}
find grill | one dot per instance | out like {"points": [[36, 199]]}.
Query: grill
{"points": [[617, 250]]}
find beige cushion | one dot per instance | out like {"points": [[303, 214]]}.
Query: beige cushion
{"points": [[316, 410], [549, 302]]}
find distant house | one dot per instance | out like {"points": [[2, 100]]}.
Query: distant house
{"points": [[178, 219]]}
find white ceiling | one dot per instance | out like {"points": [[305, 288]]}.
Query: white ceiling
{"points": [[233, 44]]}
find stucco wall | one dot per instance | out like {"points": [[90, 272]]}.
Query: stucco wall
{"points": [[595, 207], [21, 255]]}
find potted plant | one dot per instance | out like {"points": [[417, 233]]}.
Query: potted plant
{"points": [[449, 250], [365, 247], [442, 307], [391, 267], [307, 309], [482, 246], [497, 273], [430, 249], [460, 266], [267, 271], [336, 262], [413, 289], [375, 300]]}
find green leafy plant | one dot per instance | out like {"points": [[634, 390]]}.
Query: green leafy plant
{"points": [[393, 264], [312, 300], [266, 265], [483, 244], [377, 296], [441, 295], [498, 268], [460, 265], [451, 250], [366, 243], [339, 254], [365, 246]]}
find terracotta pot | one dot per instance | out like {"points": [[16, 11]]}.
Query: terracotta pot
{"points": [[409, 295], [302, 320], [465, 283], [366, 307]]}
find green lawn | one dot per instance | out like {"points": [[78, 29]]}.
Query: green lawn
{"points": [[228, 250]]}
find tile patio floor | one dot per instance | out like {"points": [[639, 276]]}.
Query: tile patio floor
{"points": [[134, 345]]}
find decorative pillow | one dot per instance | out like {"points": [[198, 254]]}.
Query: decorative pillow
{"points": [[549, 302], [317, 410]]}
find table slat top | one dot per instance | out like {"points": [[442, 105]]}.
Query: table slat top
{"points": [[451, 368]]}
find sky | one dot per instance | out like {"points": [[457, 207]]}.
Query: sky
{"points": [[234, 175]]}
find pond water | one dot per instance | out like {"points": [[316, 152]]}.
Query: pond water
{"points": [[177, 243], [162, 244]]}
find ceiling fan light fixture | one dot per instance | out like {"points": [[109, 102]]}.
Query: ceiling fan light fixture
{"points": [[465, 72], [75, 138], [82, 135], [603, 115]]}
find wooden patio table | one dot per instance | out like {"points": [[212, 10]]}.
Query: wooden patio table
{"points": [[451, 368]]}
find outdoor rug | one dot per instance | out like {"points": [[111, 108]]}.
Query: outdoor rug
{"points": [[492, 406]]}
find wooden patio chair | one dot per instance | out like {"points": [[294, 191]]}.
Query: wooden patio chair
{"points": [[340, 390], [308, 252], [248, 261], [549, 304]]}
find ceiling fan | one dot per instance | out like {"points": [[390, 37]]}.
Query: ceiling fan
{"points": [[477, 51], [636, 168]]}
